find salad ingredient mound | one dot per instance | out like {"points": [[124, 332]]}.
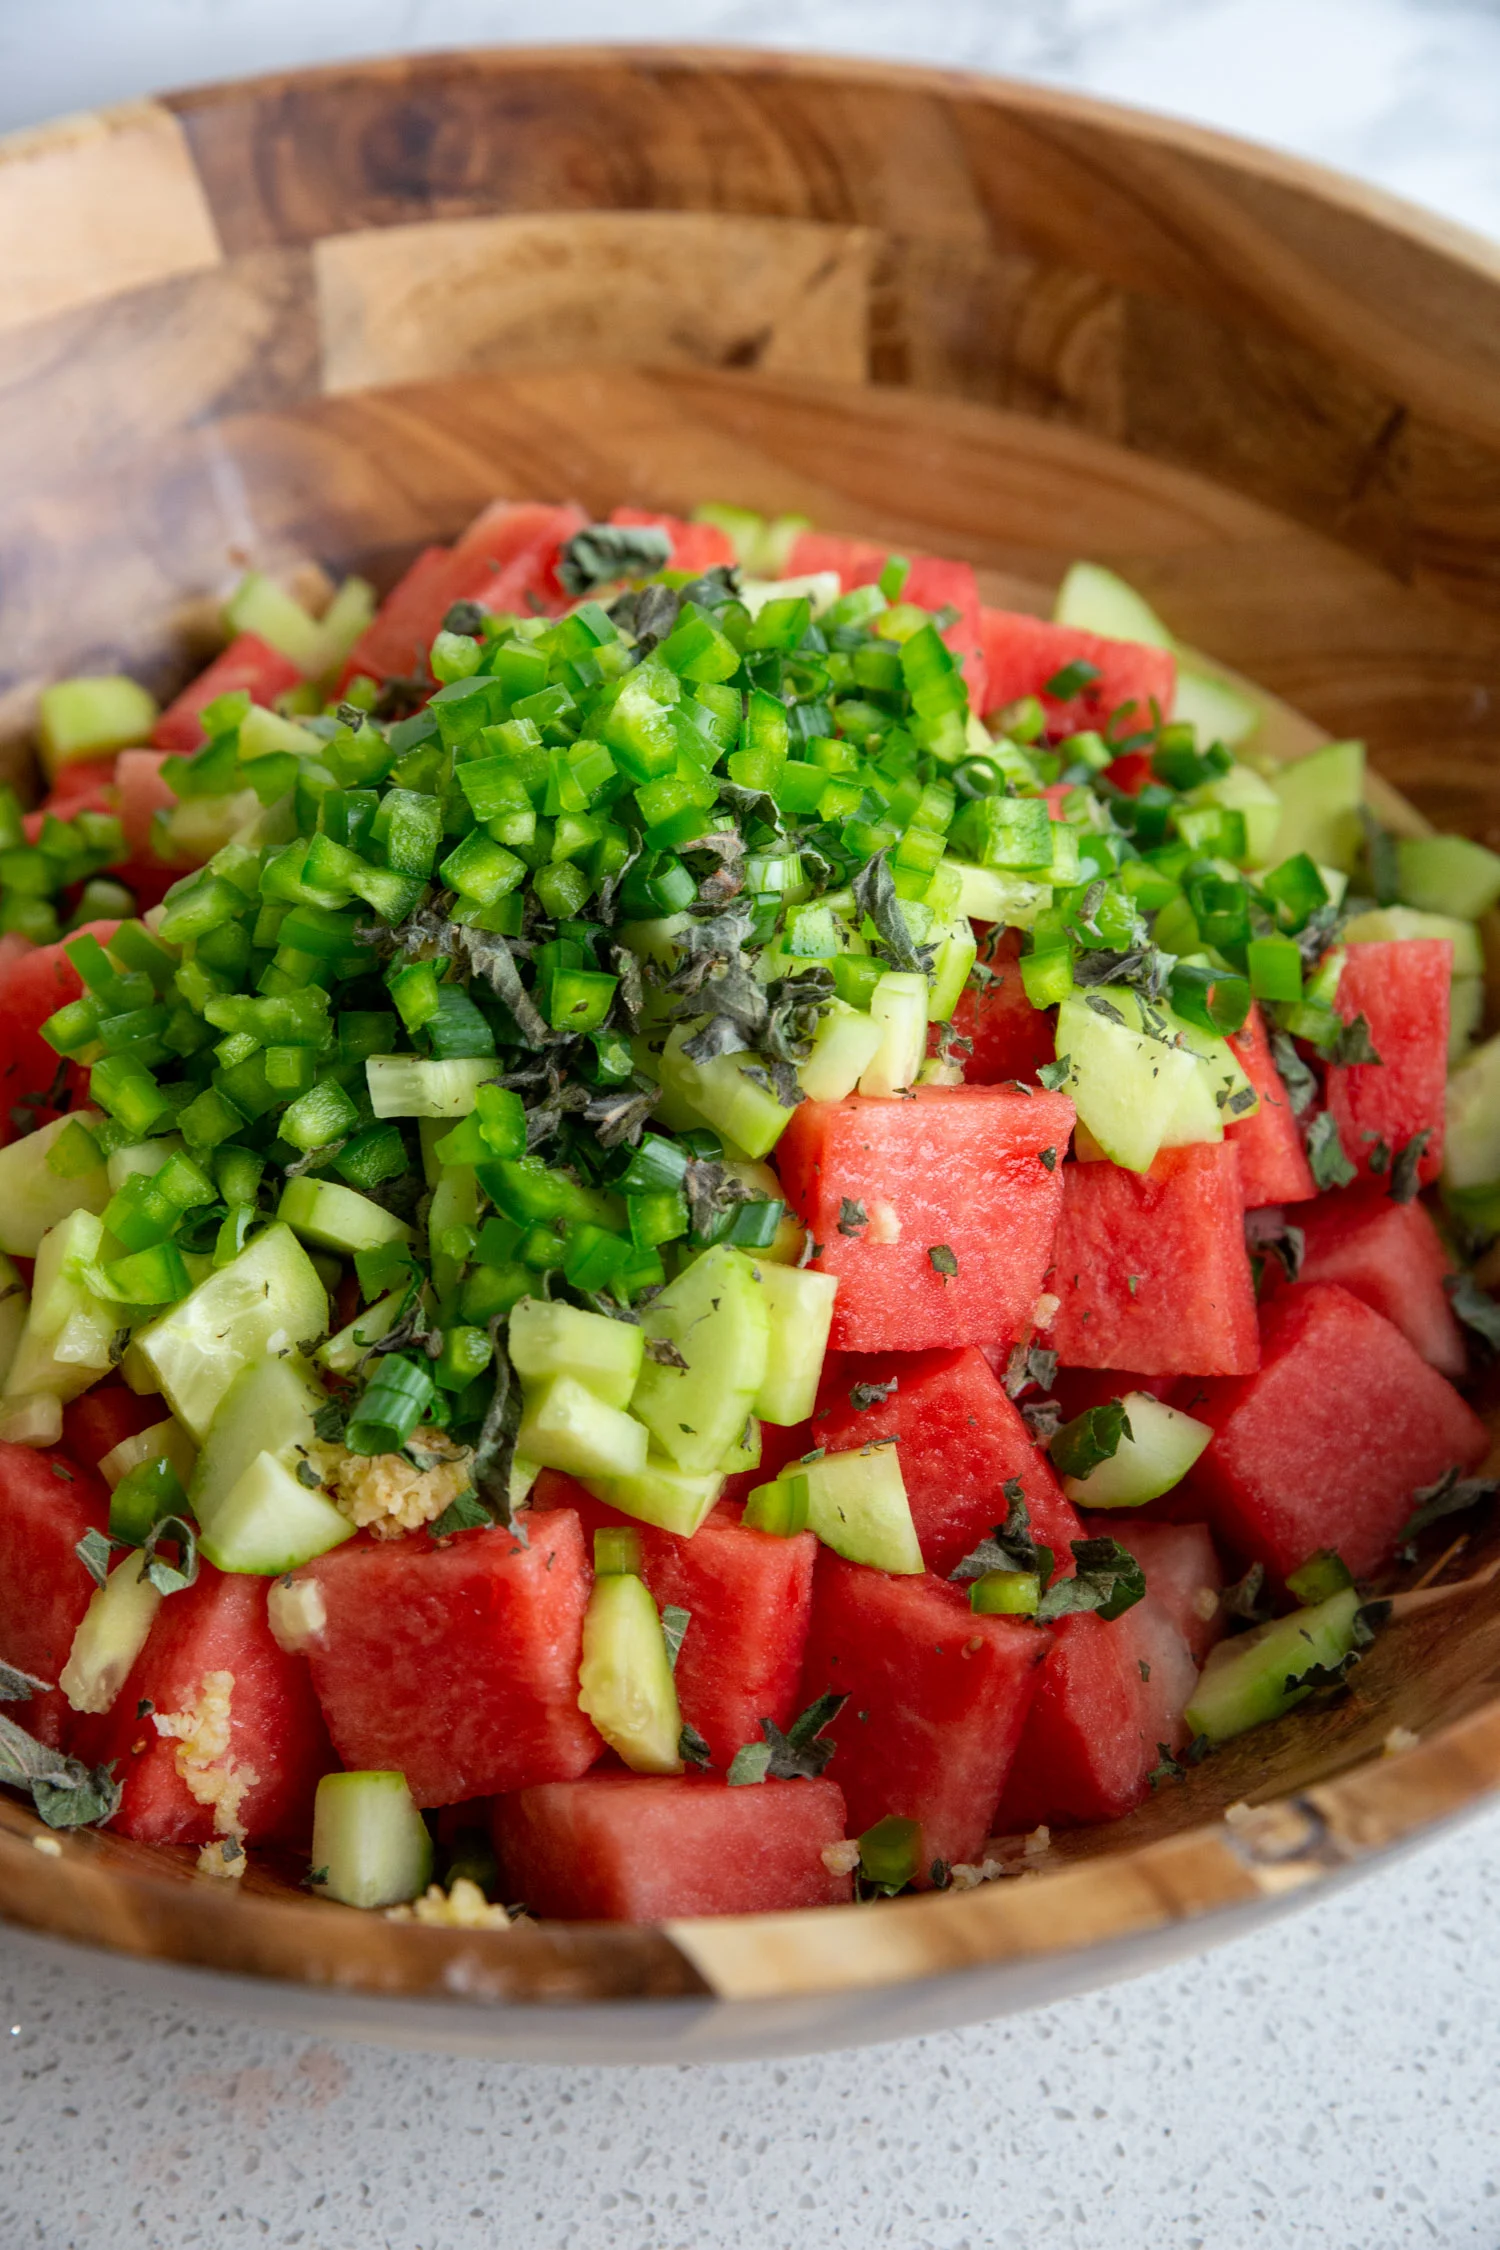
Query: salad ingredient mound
{"points": [[688, 1224]]}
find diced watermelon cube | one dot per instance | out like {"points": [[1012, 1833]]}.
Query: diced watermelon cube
{"points": [[932, 583], [457, 1663], [85, 785], [47, 1504], [1326, 1444], [1110, 1694], [95, 1423], [1009, 1038], [142, 794], [951, 1168], [697, 547], [507, 558], [959, 1439], [1401, 987], [1151, 1270], [749, 1596], [249, 663], [261, 1766], [1391, 1256], [1273, 1166], [395, 642], [624, 1847], [1022, 654], [32, 987], [1131, 771], [937, 1695]]}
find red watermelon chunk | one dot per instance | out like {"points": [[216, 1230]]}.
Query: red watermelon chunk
{"points": [[1110, 1694], [397, 638], [142, 794], [1021, 654], [457, 1664], [249, 663], [931, 583], [958, 1440], [95, 1423], [1390, 1256], [695, 546], [938, 1697], [1151, 1270], [1273, 1167], [212, 1637], [1326, 1444], [47, 1504], [749, 1597], [1401, 987], [32, 987], [1009, 1039], [624, 1847], [507, 559], [956, 1168]]}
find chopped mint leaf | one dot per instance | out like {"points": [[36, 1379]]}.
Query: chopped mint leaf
{"points": [[1323, 1678], [1029, 1364], [862, 1396], [1009, 1546], [674, 1624], [17, 1686], [1452, 1495], [66, 1793], [307, 1475], [853, 1217], [1300, 1083], [1049, 1158], [1405, 1165], [1043, 1417], [1245, 1598], [665, 1353], [1350, 1044], [1329, 1166], [93, 1551], [1071, 680], [331, 1421], [1269, 1235], [1055, 1074], [1091, 1437], [1103, 1007], [1143, 1668], [875, 897], [1380, 859], [171, 1578], [942, 1260], [1475, 1307], [465, 1513], [1380, 1154], [602, 552], [692, 1749], [1108, 1580], [749, 1764], [798, 1755], [1169, 1768]]}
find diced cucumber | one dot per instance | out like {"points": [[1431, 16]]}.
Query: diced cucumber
{"points": [[957, 952], [1471, 1148], [166, 1440], [800, 1309], [1387, 922], [297, 1613], [342, 623], [269, 1407], [716, 1316], [1162, 1447], [564, 1425], [625, 1682], [822, 588], [1244, 791], [370, 1845], [258, 605], [268, 1300], [270, 1522], [548, 1339], [145, 1157], [1215, 709], [745, 1452], [844, 1045], [14, 1301], [65, 1344], [36, 1419], [661, 1493], [266, 734], [1243, 1684], [1204, 1109], [1447, 875], [342, 1353], [719, 1092], [1094, 600], [110, 1636], [1465, 1015], [655, 940], [1320, 801], [91, 718], [857, 1505], [1127, 1087], [34, 1198], [899, 1007], [420, 1086], [339, 1218], [989, 896]]}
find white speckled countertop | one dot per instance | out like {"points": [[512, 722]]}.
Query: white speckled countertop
{"points": [[1328, 2084]]}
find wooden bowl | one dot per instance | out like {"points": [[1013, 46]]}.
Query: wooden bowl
{"points": [[332, 313]]}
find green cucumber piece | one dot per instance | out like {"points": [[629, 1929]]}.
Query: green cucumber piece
{"points": [[1127, 1088], [1215, 708], [661, 1494], [1243, 1684], [745, 1452], [1465, 1015], [857, 1505], [370, 1845], [565, 1425], [34, 1198], [1320, 801], [65, 1344], [716, 1316], [145, 1157], [166, 1440], [270, 1522], [14, 1301], [267, 1300], [625, 1682], [1471, 1147], [110, 1636], [258, 605], [1447, 875], [339, 1218], [91, 718], [342, 623], [844, 1045], [1094, 600], [718, 1092], [799, 1306], [957, 952], [548, 1339], [268, 1408], [986, 895], [898, 1006], [342, 1353], [1162, 1447], [420, 1086], [1244, 791]]}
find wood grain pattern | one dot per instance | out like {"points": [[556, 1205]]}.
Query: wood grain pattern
{"points": [[332, 314]]}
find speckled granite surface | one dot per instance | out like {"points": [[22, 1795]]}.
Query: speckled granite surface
{"points": [[1326, 2085]]}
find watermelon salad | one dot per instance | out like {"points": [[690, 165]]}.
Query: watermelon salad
{"points": [[690, 1224]]}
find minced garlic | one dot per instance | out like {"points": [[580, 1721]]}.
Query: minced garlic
{"points": [[384, 1493], [841, 1859], [204, 1764], [226, 1859], [465, 1907], [1399, 1739]]}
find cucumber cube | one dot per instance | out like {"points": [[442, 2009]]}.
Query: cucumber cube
{"points": [[338, 1218], [800, 1309], [268, 1300], [370, 1845], [662, 1494], [1320, 801], [857, 1505], [34, 1197], [549, 1339], [1244, 1682], [270, 1522], [625, 1682], [845, 1044], [715, 1316], [565, 1426], [1162, 1447], [1447, 875], [1128, 1088], [899, 1008], [110, 1636]]}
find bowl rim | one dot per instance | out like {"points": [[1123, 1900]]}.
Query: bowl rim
{"points": [[75, 1886]]}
